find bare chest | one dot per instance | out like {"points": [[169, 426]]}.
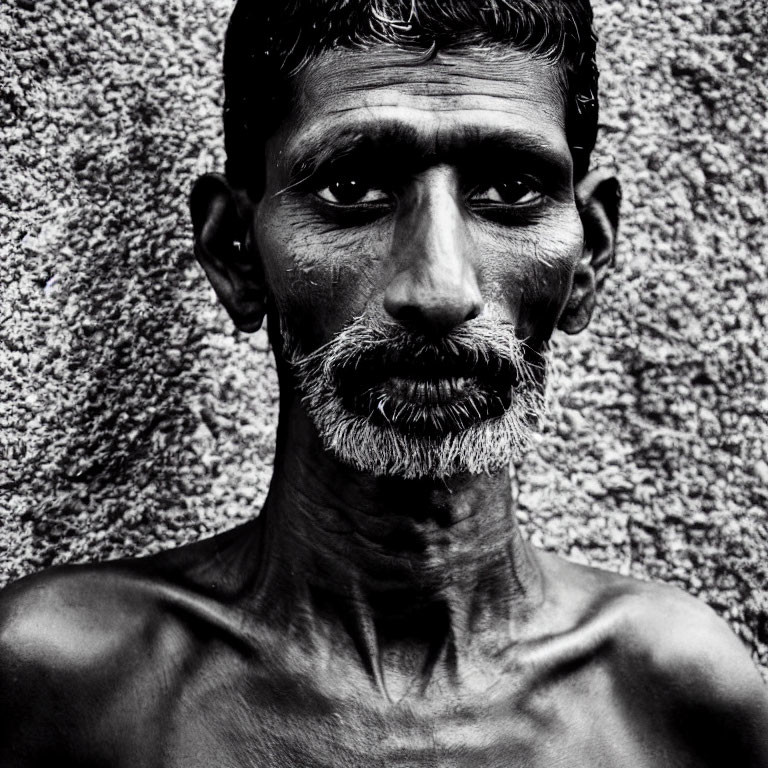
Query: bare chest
{"points": [[279, 721]]}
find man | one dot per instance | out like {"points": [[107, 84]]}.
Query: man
{"points": [[408, 202]]}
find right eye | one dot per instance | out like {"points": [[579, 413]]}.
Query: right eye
{"points": [[352, 190], [511, 192]]}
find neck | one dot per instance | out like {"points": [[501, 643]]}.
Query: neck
{"points": [[439, 563]]}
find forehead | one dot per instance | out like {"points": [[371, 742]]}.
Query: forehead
{"points": [[436, 103]]}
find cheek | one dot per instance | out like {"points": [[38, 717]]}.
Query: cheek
{"points": [[319, 277], [534, 275]]}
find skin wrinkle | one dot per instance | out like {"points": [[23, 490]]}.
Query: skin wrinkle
{"points": [[286, 155], [496, 70], [331, 497], [368, 535], [315, 79]]}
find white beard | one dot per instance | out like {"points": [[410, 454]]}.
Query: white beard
{"points": [[386, 447]]}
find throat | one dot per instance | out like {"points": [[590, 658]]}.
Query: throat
{"points": [[419, 575]]}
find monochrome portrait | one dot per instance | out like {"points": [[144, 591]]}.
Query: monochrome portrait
{"points": [[384, 383]]}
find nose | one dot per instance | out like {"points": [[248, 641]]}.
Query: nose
{"points": [[435, 286]]}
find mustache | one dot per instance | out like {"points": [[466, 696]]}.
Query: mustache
{"points": [[372, 347]]}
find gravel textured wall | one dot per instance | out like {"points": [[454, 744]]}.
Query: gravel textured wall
{"points": [[133, 417]]}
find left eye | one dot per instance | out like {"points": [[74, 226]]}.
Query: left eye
{"points": [[514, 192], [351, 190]]}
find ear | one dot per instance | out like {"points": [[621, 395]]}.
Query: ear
{"points": [[598, 196], [226, 251]]}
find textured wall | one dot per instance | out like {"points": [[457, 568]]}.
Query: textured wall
{"points": [[133, 417]]}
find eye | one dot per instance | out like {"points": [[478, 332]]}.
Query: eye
{"points": [[512, 192], [352, 190]]}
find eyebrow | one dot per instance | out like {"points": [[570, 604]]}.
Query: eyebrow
{"points": [[404, 144]]}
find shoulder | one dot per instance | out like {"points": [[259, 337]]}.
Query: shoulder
{"points": [[68, 613], [69, 638], [698, 672], [680, 639], [657, 627], [105, 616], [674, 662], [678, 660], [86, 652]]}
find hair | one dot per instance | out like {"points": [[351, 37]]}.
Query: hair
{"points": [[269, 42]]}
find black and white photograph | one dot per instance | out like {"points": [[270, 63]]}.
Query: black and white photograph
{"points": [[383, 384]]}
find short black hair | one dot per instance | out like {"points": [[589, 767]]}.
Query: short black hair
{"points": [[269, 41]]}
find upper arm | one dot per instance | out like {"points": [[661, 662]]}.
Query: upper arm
{"points": [[68, 640], [729, 700], [28, 691], [704, 677]]}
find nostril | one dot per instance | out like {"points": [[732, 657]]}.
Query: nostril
{"points": [[408, 315], [436, 318], [474, 312]]}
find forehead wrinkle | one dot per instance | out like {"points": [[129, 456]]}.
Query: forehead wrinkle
{"points": [[495, 65], [365, 80], [508, 76], [449, 103], [396, 105], [427, 95]]}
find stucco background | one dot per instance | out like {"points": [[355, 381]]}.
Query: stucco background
{"points": [[133, 417]]}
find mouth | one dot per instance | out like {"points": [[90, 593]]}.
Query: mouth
{"points": [[428, 397]]}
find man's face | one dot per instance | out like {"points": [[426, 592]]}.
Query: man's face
{"points": [[418, 233]]}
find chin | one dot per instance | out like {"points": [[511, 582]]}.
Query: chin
{"points": [[423, 441], [385, 451]]}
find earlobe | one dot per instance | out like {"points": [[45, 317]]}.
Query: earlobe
{"points": [[598, 196], [226, 253]]}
